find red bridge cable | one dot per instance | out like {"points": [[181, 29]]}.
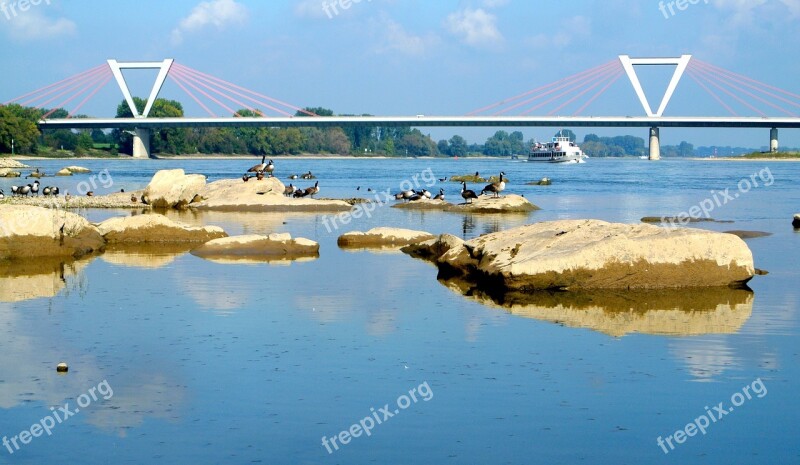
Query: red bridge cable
{"points": [[620, 73], [538, 89], [571, 84], [743, 102], [725, 75], [190, 94], [94, 82], [583, 92], [723, 70], [278, 110], [571, 88], [70, 88], [710, 92], [288, 105], [210, 97], [241, 104], [71, 78], [748, 93], [88, 97]]}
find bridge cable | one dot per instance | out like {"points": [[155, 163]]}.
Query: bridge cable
{"points": [[742, 91], [190, 94], [210, 97], [611, 82], [71, 78], [108, 78], [743, 102], [94, 82], [572, 88], [241, 104], [722, 75], [584, 92], [710, 92]]}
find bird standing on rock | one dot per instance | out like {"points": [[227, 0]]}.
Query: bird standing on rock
{"points": [[467, 194], [496, 187], [259, 167], [290, 190], [269, 168], [440, 195]]}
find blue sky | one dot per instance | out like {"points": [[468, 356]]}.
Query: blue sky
{"points": [[410, 57]]}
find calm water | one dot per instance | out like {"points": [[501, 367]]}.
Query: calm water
{"points": [[235, 363]]}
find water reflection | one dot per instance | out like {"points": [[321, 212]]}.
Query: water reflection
{"points": [[145, 256], [40, 278], [682, 312]]}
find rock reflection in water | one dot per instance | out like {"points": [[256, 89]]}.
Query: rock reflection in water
{"points": [[145, 256], [669, 312], [22, 280]]}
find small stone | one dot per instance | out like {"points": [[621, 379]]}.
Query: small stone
{"points": [[62, 368]]}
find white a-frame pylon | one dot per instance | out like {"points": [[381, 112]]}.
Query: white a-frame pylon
{"points": [[680, 63], [163, 67]]}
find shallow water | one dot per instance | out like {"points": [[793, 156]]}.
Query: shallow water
{"points": [[218, 363]]}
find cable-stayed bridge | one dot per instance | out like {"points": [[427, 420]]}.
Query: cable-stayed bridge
{"points": [[558, 104]]}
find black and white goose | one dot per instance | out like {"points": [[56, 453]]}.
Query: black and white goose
{"points": [[35, 187], [496, 187], [46, 191], [269, 168], [259, 167], [2, 194], [25, 190], [54, 191], [426, 193], [440, 195], [467, 194], [14, 190]]}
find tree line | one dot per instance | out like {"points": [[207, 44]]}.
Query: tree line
{"points": [[19, 124]]}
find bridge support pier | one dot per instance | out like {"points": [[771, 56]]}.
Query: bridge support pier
{"points": [[773, 140], [655, 144], [141, 143]]}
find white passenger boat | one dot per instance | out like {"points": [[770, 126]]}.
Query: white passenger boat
{"points": [[560, 150]]}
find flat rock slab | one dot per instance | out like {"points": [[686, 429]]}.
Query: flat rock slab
{"points": [[593, 254], [260, 196], [487, 204], [78, 170], [256, 247], [27, 231], [154, 228], [11, 163], [424, 204], [117, 200], [383, 237]]}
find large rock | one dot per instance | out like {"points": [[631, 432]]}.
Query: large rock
{"points": [[11, 163], [63, 172], [383, 237], [173, 188], [796, 220], [78, 170], [258, 247], [510, 203], [27, 232], [154, 228], [262, 196], [593, 254]]}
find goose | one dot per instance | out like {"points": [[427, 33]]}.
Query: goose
{"points": [[440, 195], [312, 191], [35, 187], [294, 176], [25, 190], [269, 168], [308, 176], [67, 197], [496, 187], [300, 193], [134, 199], [54, 191], [443, 179], [246, 177], [14, 190], [259, 175], [46, 191], [290, 190], [2, 194], [90, 194], [426, 193], [259, 167], [467, 194]]}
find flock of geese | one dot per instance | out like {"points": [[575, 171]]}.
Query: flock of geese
{"points": [[268, 168], [31, 189], [291, 190]]}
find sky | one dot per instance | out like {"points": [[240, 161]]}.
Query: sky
{"points": [[409, 57]]}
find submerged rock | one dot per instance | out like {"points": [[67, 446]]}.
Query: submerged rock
{"points": [[593, 254], [258, 247], [541, 182], [9, 173], [154, 228], [27, 232], [383, 237], [78, 170], [424, 204], [796, 220], [63, 172], [173, 188], [748, 234], [468, 178]]}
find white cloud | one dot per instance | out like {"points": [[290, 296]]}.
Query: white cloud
{"points": [[577, 27], [394, 38], [495, 3], [309, 9], [34, 25], [216, 13], [475, 27]]}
